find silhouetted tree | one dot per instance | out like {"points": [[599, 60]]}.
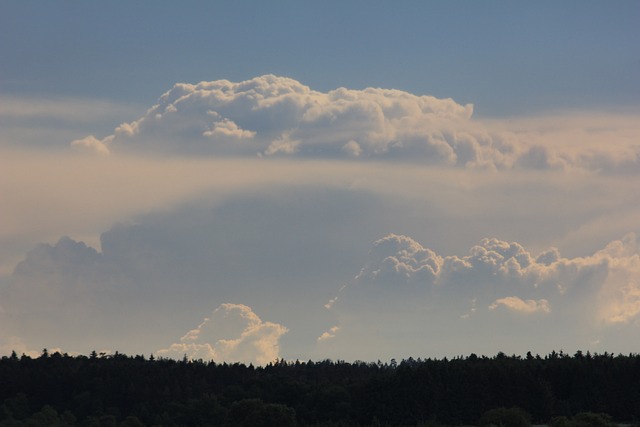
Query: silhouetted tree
{"points": [[503, 417], [255, 413]]}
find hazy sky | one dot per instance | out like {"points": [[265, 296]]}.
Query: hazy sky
{"points": [[348, 180]]}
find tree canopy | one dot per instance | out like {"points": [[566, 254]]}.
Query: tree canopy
{"points": [[121, 390]]}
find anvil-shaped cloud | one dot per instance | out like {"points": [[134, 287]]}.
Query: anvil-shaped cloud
{"points": [[268, 193]]}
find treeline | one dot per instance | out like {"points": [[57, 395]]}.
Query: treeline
{"points": [[120, 390]]}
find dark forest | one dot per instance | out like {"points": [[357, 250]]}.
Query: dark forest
{"points": [[120, 390]]}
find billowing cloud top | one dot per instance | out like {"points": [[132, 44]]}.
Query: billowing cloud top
{"points": [[278, 116], [502, 274], [272, 115], [498, 294], [233, 333]]}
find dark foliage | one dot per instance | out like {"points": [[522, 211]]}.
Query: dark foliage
{"points": [[118, 390], [583, 419], [503, 417]]}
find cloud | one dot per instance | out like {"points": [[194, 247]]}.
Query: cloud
{"points": [[226, 129], [248, 191], [63, 271], [233, 333], [278, 116], [66, 295], [491, 267], [13, 343], [149, 274], [400, 258], [272, 115], [572, 140], [331, 333], [620, 295], [48, 122], [407, 290], [91, 144], [180, 262], [521, 306]]}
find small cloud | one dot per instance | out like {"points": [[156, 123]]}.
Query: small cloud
{"points": [[91, 144], [522, 306], [283, 145], [628, 246], [233, 333], [548, 257], [14, 343], [331, 333], [399, 258], [329, 304], [333, 300], [226, 129], [352, 149], [472, 309], [620, 295]]}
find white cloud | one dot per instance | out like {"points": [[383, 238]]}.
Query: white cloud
{"points": [[400, 257], [331, 333], [237, 226], [404, 295], [624, 305], [352, 148], [233, 333], [620, 295], [579, 297], [226, 129], [272, 115], [522, 306], [198, 230], [91, 144], [182, 260], [491, 267], [596, 141]]}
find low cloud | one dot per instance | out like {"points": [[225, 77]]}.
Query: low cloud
{"points": [[495, 266], [13, 343], [620, 295], [400, 258], [204, 198], [233, 333], [182, 260], [91, 144], [499, 289], [522, 306], [331, 333]]}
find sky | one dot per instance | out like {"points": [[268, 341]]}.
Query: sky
{"points": [[247, 181]]}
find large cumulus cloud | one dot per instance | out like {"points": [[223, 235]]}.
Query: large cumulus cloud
{"points": [[205, 212], [278, 116], [272, 115], [505, 273], [499, 289], [147, 277]]}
